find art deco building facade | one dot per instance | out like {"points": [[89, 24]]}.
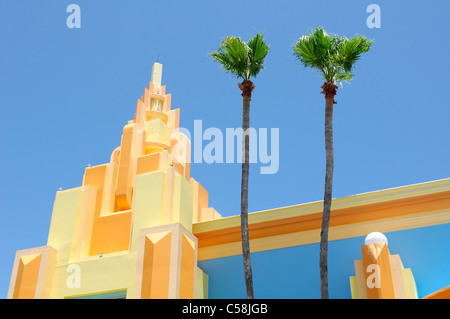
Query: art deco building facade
{"points": [[141, 227]]}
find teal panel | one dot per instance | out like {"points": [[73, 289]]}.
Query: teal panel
{"points": [[294, 272], [109, 295]]}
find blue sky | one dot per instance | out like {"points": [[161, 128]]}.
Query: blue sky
{"points": [[65, 95]]}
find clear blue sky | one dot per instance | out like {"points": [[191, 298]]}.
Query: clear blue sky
{"points": [[65, 95]]}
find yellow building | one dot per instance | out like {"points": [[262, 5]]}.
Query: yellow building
{"points": [[141, 227], [127, 231]]}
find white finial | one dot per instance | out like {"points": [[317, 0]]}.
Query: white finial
{"points": [[376, 237], [156, 74]]}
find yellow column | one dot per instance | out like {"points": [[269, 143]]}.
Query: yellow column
{"points": [[32, 274], [380, 275], [166, 263], [128, 227], [377, 271], [156, 265]]}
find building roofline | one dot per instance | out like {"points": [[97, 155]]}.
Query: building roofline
{"points": [[405, 207]]}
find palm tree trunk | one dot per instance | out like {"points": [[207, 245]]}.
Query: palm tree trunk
{"points": [[246, 87], [330, 92]]}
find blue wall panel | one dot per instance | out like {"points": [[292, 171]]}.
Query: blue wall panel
{"points": [[294, 272]]}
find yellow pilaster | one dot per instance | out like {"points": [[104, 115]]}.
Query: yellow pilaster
{"points": [[380, 275], [128, 227], [32, 273], [166, 263]]}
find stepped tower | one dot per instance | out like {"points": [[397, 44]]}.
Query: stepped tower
{"points": [[126, 232]]}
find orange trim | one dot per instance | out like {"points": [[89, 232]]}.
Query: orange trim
{"points": [[27, 276], [124, 184], [363, 213], [111, 232], [156, 268], [167, 102], [152, 114], [148, 163], [443, 293], [95, 177], [153, 147], [380, 276], [157, 96], [187, 268]]}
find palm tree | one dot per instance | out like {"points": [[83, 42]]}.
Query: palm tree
{"points": [[244, 60], [334, 57]]}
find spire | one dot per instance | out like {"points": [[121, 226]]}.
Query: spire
{"points": [[156, 74]]}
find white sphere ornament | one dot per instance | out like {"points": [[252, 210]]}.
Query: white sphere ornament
{"points": [[376, 237]]}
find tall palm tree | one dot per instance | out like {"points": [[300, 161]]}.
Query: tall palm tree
{"points": [[334, 57], [244, 60]]}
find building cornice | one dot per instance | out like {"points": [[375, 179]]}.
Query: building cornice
{"points": [[393, 209]]}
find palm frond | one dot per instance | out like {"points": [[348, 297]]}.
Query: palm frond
{"points": [[304, 51], [257, 54], [312, 50], [232, 56], [350, 50], [240, 58], [333, 56]]}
